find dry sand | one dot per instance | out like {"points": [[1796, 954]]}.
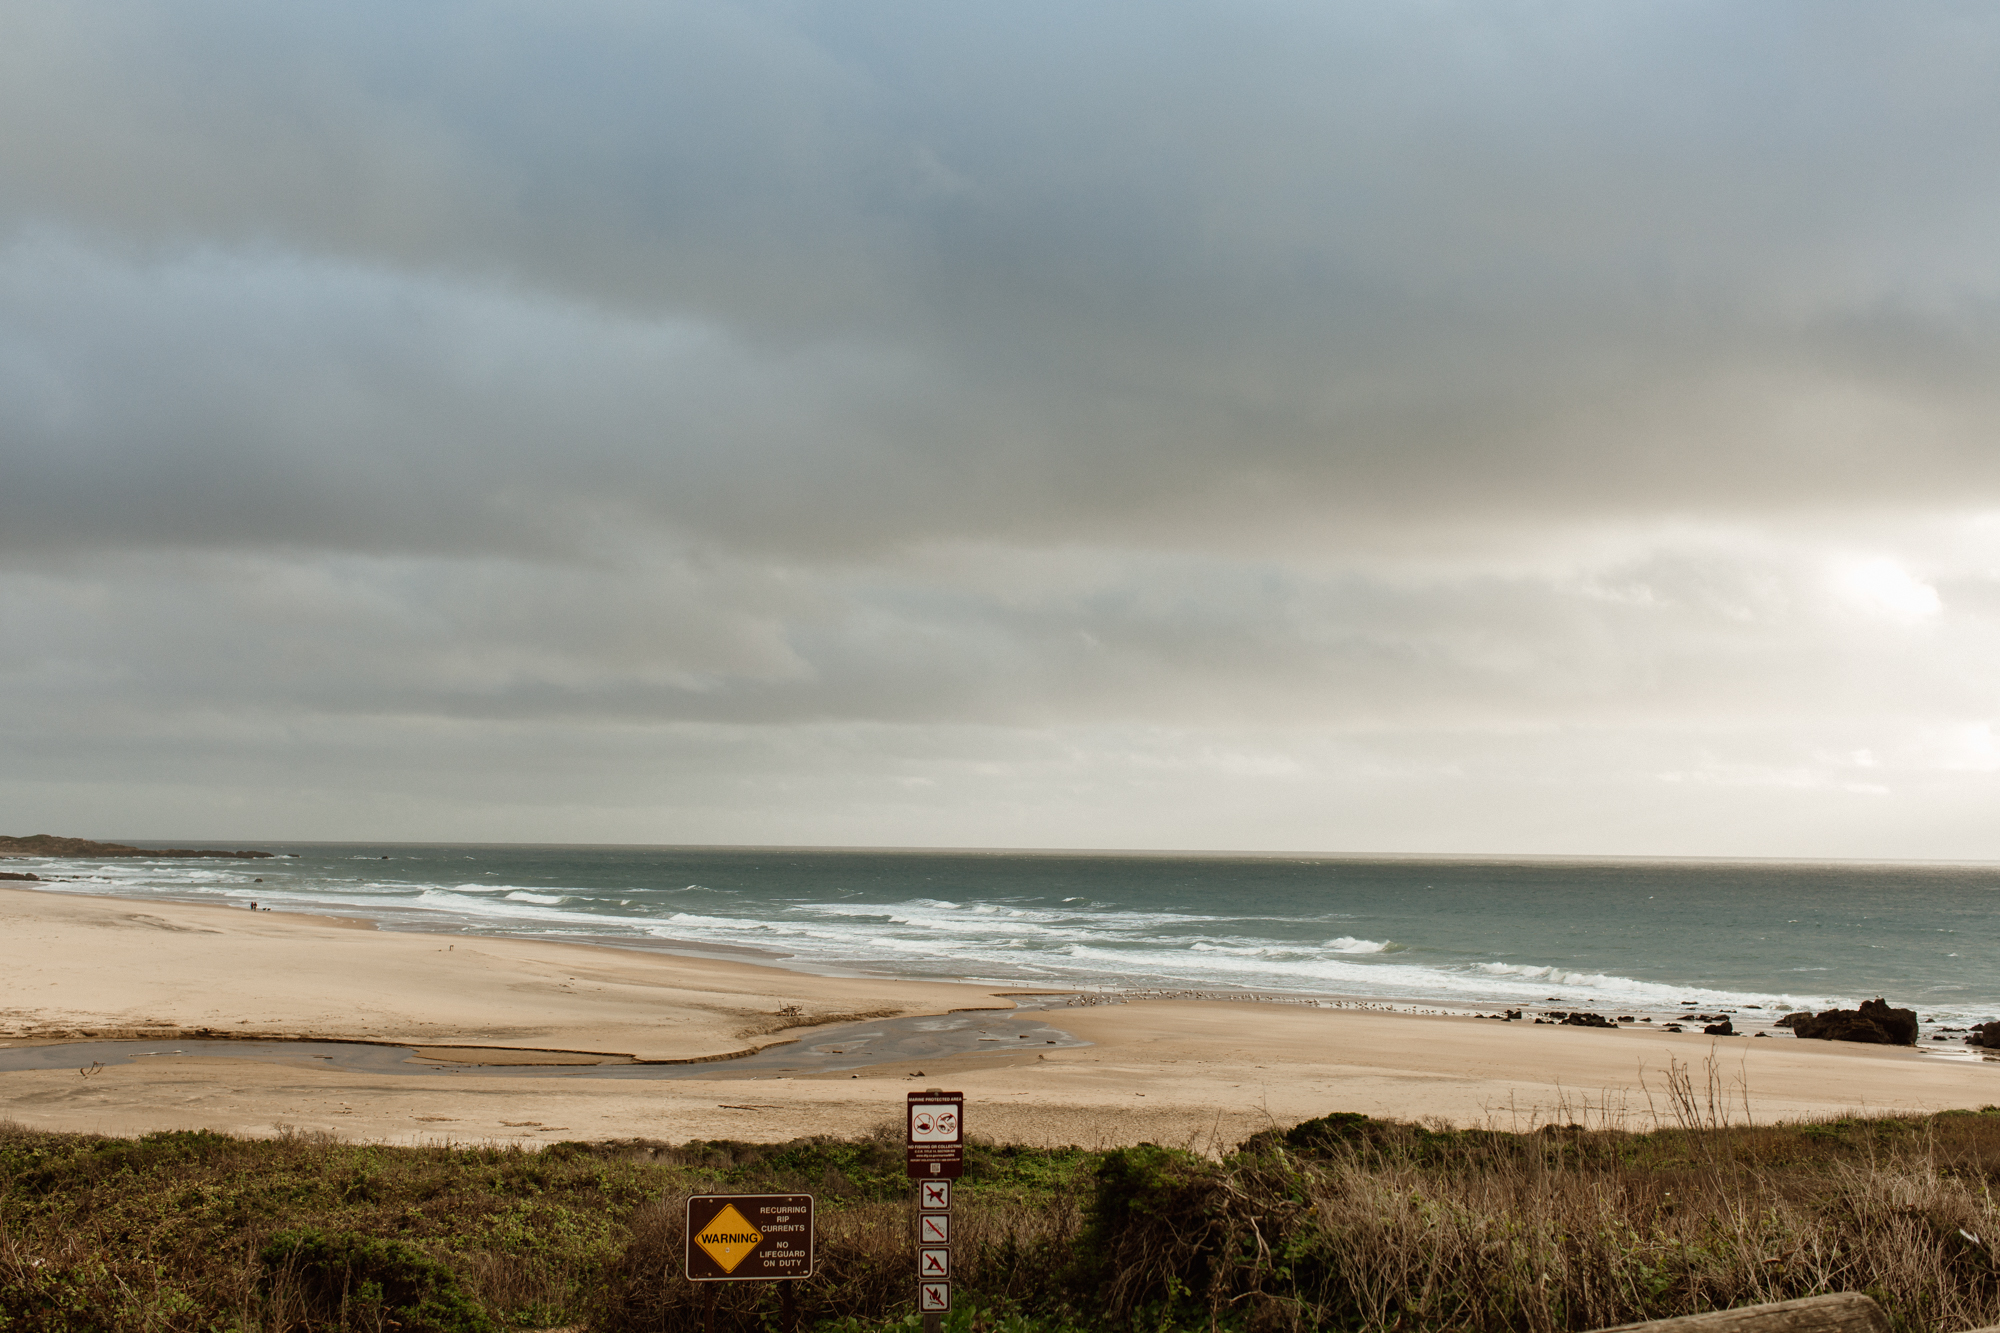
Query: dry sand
{"points": [[1173, 1071]]}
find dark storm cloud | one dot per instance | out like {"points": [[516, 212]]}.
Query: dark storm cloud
{"points": [[1023, 271], [1130, 402]]}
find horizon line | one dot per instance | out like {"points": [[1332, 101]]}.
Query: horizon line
{"points": [[1107, 852]]}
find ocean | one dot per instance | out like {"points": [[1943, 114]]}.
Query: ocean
{"points": [[1601, 935]]}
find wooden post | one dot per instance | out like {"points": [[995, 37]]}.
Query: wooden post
{"points": [[788, 1308], [1845, 1312], [710, 1286]]}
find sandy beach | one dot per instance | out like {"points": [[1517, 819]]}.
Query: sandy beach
{"points": [[1176, 1071]]}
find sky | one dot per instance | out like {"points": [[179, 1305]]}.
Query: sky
{"points": [[1497, 427]]}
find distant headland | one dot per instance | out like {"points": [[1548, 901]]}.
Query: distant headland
{"points": [[48, 844]]}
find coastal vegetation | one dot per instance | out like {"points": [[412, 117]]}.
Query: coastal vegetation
{"points": [[50, 844], [1338, 1223]]}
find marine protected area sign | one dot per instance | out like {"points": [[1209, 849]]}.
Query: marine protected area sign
{"points": [[934, 1143], [749, 1237]]}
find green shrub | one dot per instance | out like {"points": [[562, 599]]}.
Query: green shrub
{"points": [[1341, 1129], [1151, 1229], [351, 1281]]}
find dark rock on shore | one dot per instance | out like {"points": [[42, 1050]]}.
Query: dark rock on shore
{"points": [[48, 844], [1579, 1019], [1985, 1034], [9, 874], [1723, 1029], [1874, 1022]]}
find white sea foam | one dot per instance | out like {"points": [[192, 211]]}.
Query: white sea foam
{"points": [[1164, 940]]}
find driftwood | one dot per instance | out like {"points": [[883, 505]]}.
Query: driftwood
{"points": [[1847, 1312]]}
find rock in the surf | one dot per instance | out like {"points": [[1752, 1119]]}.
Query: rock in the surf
{"points": [[1874, 1022], [1985, 1034]]}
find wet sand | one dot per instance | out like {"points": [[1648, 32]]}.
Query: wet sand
{"points": [[1166, 1070]]}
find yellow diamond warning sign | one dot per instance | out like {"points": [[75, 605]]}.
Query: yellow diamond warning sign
{"points": [[729, 1238], [749, 1237]]}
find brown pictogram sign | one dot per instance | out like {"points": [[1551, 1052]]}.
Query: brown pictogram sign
{"points": [[935, 1140], [749, 1237]]}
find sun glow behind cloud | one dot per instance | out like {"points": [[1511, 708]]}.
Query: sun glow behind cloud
{"points": [[1881, 587]]}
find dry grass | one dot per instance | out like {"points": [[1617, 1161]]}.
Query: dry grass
{"points": [[1576, 1238], [1355, 1224]]}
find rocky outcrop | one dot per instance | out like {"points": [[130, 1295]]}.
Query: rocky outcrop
{"points": [[1985, 1034], [48, 844], [1723, 1029], [1874, 1022], [8, 874]]}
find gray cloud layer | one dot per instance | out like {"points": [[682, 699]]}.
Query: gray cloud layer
{"points": [[1276, 425]]}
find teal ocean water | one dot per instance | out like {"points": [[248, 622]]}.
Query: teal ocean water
{"points": [[1603, 935]]}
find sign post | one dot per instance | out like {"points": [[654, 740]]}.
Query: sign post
{"points": [[934, 1148], [750, 1238]]}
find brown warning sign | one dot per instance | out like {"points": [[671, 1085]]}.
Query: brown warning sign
{"points": [[749, 1237], [934, 1140]]}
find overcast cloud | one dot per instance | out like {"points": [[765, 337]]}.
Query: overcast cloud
{"points": [[1414, 427]]}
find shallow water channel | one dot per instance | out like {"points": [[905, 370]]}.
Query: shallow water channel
{"points": [[831, 1050]]}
